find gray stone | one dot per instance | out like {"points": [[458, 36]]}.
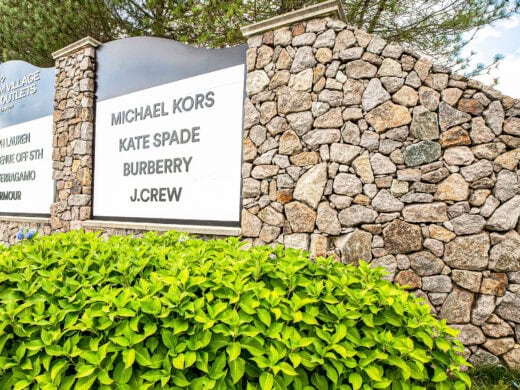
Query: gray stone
{"points": [[495, 116], [470, 334], [426, 264], [251, 188], [477, 171], [402, 237], [505, 256], [428, 212], [468, 252], [392, 84], [251, 224], [251, 115], [506, 216], [347, 184], [435, 246], [457, 309], [352, 92], [289, 143], [437, 283], [421, 153], [303, 59], [370, 141], [360, 69], [484, 307], [257, 81], [333, 98], [344, 39], [290, 100], [467, 279], [390, 68], [384, 201], [417, 197], [297, 241], [449, 116], [374, 95], [356, 215], [480, 133], [282, 37], [300, 122], [325, 39], [310, 186], [467, 224], [354, 53], [332, 118], [344, 154], [512, 126], [509, 307], [376, 45], [355, 246], [315, 138], [459, 155], [305, 39], [506, 186], [382, 165], [351, 133], [489, 151], [483, 358], [327, 220], [429, 98], [388, 262], [424, 124]]}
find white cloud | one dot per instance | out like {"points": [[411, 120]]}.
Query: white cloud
{"points": [[507, 73]]}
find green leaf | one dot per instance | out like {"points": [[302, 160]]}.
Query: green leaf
{"points": [[355, 380], [266, 381], [128, 357], [236, 368], [233, 351]]}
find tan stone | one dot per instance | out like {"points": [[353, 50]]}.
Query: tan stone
{"points": [[406, 96], [451, 95], [363, 168], [290, 143], [388, 115], [442, 234], [478, 197], [284, 196], [508, 160], [305, 158], [319, 246], [330, 119], [249, 150], [495, 284], [456, 136], [310, 186], [301, 217], [453, 188], [402, 237], [499, 346], [428, 212], [512, 358], [409, 279]]}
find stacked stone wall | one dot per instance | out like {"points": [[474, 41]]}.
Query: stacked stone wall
{"points": [[361, 149], [73, 134]]}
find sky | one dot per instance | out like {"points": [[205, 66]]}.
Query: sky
{"points": [[502, 37]]}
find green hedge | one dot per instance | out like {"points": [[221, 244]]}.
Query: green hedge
{"points": [[78, 312]]}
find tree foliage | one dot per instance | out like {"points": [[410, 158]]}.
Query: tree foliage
{"points": [[30, 30]]}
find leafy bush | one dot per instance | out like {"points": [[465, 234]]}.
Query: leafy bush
{"points": [[172, 312]]}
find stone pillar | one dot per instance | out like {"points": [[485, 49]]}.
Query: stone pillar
{"points": [[73, 134]]}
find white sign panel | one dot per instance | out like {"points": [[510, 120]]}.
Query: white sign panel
{"points": [[26, 184], [172, 152]]}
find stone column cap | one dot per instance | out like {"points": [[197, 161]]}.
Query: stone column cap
{"points": [[320, 10], [76, 46]]}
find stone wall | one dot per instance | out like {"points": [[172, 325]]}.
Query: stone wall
{"points": [[363, 150], [73, 135]]}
